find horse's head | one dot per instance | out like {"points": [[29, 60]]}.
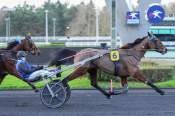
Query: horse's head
{"points": [[27, 44], [155, 43]]}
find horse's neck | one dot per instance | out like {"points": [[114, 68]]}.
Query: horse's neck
{"points": [[140, 49]]}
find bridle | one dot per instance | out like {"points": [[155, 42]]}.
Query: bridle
{"points": [[154, 39]]}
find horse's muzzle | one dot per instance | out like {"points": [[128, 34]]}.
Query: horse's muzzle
{"points": [[33, 52], [165, 50], [37, 53]]}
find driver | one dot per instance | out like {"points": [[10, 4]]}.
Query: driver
{"points": [[28, 36], [24, 68]]}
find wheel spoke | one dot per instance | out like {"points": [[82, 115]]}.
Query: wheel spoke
{"points": [[51, 100], [54, 84], [57, 91], [46, 95], [58, 99]]}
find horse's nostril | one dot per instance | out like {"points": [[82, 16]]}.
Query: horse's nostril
{"points": [[164, 51]]}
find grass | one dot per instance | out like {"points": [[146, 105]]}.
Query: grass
{"points": [[12, 82], [167, 84]]}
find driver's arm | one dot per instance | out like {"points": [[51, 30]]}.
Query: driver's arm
{"points": [[37, 67], [26, 70]]}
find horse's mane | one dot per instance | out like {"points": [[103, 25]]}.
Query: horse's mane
{"points": [[131, 45], [12, 44]]}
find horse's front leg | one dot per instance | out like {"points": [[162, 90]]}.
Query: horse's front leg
{"points": [[2, 76], [1, 79], [26, 81], [139, 76], [29, 83], [12, 70]]}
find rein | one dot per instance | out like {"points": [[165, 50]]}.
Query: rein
{"points": [[63, 59], [6, 50], [76, 55]]}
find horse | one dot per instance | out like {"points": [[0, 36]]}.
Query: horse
{"points": [[130, 56], [8, 58], [25, 44]]}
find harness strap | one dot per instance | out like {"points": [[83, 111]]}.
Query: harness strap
{"points": [[117, 68]]}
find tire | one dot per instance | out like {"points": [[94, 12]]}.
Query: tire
{"points": [[59, 97], [67, 88], [68, 92]]}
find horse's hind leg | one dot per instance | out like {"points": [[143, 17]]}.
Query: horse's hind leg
{"points": [[93, 79], [77, 73], [139, 76], [2, 76]]}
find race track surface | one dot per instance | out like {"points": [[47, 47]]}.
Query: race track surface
{"points": [[90, 103]]}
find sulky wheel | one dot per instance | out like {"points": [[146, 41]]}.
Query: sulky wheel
{"points": [[56, 98], [68, 90]]}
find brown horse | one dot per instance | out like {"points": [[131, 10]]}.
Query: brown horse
{"points": [[8, 58], [128, 63]]}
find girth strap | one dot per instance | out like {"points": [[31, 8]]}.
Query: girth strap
{"points": [[117, 68]]}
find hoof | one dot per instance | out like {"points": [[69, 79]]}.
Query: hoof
{"points": [[125, 92], [162, 93], [117, 92], [36, 90], [108, 96]]}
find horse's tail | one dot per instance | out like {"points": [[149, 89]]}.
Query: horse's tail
{"points": [[62, 57]]}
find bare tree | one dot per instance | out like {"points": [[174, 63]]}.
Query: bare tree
{"points": [[2, 21], [170, 9], [84, 22], [104, 22]]}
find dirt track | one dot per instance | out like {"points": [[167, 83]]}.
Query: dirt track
{"points": [[90, 103]]}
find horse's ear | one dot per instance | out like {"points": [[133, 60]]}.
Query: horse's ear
{"points": [[149, 34]]}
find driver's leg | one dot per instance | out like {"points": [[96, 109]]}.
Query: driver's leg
{"points": [[36, 75]]}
